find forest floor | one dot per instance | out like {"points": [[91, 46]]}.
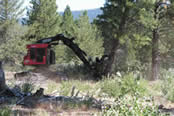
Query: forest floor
{"points": [[79, 100], [50, 81]]}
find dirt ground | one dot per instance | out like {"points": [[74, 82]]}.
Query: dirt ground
{"points": [[42, 76]]}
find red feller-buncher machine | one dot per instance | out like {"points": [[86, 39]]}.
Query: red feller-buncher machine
{"points": [[41, 52]]}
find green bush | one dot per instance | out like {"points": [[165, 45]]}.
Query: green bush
{"points": [[27, 87], [5, 112], [130, 84], [14, 48], [167, 88], [111, 86], [166, 73], [132, 106], [115, 86]]}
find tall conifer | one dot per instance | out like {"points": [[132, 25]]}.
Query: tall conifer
{"points": [[12, 46], [88, 37], [114, 25], [68, 25], [44, 20], [10, 9]]}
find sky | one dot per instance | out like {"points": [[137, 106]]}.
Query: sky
{"points": [[77, 4]]}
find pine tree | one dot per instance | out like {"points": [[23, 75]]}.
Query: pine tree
{"points": [[10, 9], [44, 21], [10, 12], [88, 37], [12, 45], [154, 18], [68, 29], [68, 24], [14, 48], [114, 23]]}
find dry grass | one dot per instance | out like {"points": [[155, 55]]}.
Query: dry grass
{"points": [[52, 83]]}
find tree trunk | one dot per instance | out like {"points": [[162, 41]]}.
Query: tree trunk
{"points": [[3, 86], [115, 43], [155, 55], [112, 57]]}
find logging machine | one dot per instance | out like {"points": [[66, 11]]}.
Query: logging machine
{"points": [[41, 52]]}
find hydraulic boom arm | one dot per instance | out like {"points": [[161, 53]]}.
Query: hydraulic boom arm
{"points": [[68, 42]]}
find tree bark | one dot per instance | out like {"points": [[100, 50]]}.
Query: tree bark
{"points": [[155, 55], [3, 86], [115, 43], [155, 48], [112, 57]]}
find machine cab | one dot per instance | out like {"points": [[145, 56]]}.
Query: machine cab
{"points": [[39, 54]]}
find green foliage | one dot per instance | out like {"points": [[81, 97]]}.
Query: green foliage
{"points": [[68, 25], [85, 35], [10, 9], [147, 17], [5, 112], [133, 106], [43, 20], [88, 37], [167, 86], [115, 16], [128, 84], [68, 29], [27, 87], [14, 47], [154, 17], [111, 87], [121, 17], [132, 23]]}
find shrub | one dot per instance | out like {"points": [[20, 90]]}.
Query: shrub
{"points": [[164, 73], [131, 85], [27, 87], [5, 112], [168, 88], [111, 86], [115, 86], [132, 106]]}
